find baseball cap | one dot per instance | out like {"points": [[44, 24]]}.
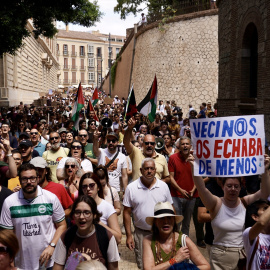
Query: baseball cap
{"points": [[113, 134], [61, 130], [25, 134], [26, 143], [39, 162]]}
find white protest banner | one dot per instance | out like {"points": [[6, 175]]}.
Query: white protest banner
{"points": [[228, 146]]}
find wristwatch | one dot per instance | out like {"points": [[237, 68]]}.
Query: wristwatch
{"points": [[52, 244]]}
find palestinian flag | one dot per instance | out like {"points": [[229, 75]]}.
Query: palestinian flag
{"points": [[131, 108], [78, 105], [94, 98], [91, 109], [148, 105]]}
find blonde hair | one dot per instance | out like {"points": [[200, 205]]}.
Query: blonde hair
{"points": [[91, 265]]}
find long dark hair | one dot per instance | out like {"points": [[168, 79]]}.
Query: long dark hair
{"points": [[91, 202], [83, 150], [96, 179], [102, 173]]}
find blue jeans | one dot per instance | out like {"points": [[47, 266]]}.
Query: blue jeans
{"points": [[185, 208]]}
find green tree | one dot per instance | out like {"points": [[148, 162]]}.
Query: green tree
{"points": [[44, 13]]}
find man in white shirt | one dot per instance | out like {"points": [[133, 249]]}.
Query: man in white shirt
{"points": [[38, 219], [140, 199], [112, 159]]}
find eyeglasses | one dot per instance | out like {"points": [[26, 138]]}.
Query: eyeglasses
{"points": [[76, 147], [91, 186], [3, 250], [34, 133], [77, 213], [149, 143], [83, 135], [111, 140], [70, 165], [92, 124], [32, 179], [54, 138]]}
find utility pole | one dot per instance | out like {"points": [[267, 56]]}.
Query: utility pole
{"points": [[110, 64]]}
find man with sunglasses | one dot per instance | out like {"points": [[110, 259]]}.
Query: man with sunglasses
{"points": [[37, 218], [55, 154], [148, 151], [35, 139], [88, 147], [112, 159]]}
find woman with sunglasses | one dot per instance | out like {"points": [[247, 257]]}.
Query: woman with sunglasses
{"points": [[110, 193], [9, 246], [88, 239], [71, 177], [91, 186], [77, 152], [20, 129]]}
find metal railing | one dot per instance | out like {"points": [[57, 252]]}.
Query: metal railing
{"points": [[73, 53], [74, 67], [66, 67], [184, 7]]}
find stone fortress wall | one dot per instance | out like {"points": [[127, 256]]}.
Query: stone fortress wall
{"points": [[184, 58]]}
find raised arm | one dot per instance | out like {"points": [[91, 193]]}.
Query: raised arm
{"points": [[264, 192], [96, 143], [128, 134], [209, 200]]}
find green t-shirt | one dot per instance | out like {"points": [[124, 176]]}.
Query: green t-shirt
{"points": [[89, 150]]}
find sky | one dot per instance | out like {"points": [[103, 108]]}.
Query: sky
{"points": [[110, 21]]}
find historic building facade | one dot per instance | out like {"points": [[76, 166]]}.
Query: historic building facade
{"points": [[84, 57], [30, 73], [244, 58]]}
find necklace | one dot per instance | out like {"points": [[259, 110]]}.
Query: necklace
{"points": [[159, 259]]}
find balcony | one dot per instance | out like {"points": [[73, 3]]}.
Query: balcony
{"points": [[82, 54], [91, 81], [91, 68], [74, 81], [74, 67], [73, 53], [82, 67], [90, 55], [66, 81], [66, 67], [66, 53]]}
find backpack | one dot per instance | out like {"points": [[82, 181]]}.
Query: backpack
{"points": [[102, 239]]}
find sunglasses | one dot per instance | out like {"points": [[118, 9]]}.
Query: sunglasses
{"points": [[34, 133], [71, 166], [92, 124], [21, 125], [3, 249], [91, 186], [76, 147], [54, 138], [149, 143], [83, 135], [111, 140]]}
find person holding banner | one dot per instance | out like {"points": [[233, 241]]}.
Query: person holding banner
{"points": [[228, 216]]}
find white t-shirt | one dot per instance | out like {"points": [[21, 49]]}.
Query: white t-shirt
{"points": [[143, 200], [261, 258], [86, 164], [106, 209], [115, 169], [33, 223]]}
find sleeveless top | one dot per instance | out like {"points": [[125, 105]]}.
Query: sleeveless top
{"points": [[165, 257], [228, 226]]}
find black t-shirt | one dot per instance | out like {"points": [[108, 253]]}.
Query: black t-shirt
{"points": [[4, 193]]}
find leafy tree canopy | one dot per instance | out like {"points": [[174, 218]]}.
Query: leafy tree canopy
{"points": [[15, 13]]}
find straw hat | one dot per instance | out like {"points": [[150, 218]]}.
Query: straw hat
{"points": [[163, 209]]}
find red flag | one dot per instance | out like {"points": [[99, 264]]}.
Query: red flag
{"points": [[91, 109]]}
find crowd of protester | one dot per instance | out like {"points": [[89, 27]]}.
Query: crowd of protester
{"points": [[67, 195]]}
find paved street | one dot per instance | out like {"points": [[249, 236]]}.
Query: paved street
{"points": [[128, 257]]}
